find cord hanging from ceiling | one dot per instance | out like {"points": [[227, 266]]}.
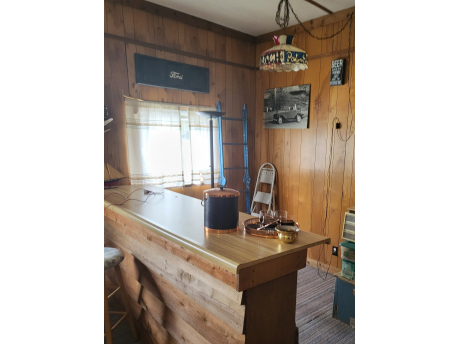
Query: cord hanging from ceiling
{"points": [[284, 21]]}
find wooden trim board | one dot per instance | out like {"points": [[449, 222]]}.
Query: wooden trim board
{"points": [[175, 51], [314, 3], [256, 275]]}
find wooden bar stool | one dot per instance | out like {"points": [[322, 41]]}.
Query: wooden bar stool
{"points": [[112, 259]]}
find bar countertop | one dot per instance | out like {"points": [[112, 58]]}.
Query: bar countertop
{"points": [[180, 219]]}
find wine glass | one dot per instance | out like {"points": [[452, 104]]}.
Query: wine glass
{"points": [[279, 214], [266, 216], [288, 220]]}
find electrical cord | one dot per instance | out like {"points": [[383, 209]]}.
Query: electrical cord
{"points": [[134, 199], [335, 121], [328, 190], [121, 194], [350, 107]]}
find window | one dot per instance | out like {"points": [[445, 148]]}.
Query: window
{"points": [[168, 144]]}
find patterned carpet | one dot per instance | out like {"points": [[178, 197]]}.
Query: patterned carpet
{"points": [[313, 314], [314, 310]]}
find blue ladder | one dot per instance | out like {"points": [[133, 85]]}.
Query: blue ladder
{"points": [[246, 179]]}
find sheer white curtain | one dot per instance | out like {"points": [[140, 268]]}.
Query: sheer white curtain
{"points": [[199, 137], [166, 145]]}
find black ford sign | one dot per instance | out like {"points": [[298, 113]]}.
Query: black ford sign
{"points": [[153, 71]]}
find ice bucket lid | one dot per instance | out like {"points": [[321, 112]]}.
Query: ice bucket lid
{"points": [[221, 192]]}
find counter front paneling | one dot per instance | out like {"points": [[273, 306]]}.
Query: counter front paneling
{"points": [[190, 286]]}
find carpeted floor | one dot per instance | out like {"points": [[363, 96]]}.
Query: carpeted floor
{"points": [[314, 310], [313, 315]]}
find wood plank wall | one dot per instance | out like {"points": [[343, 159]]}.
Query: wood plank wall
{"points": [[301, 157], [232, 86], [173, 300]]}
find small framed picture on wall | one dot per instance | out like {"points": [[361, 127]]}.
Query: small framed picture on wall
{"points": [[287, 107]]}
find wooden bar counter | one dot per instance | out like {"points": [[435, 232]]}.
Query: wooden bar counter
{"points": [[189, 286]]}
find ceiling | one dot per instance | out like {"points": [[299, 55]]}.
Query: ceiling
{"points": [[254, 17]]}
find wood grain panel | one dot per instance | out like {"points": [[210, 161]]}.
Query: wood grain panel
{"points": [[184, 280], [161, 297], [161, 323], [119, 87], [270, 270], [115, 19], [307, 157], [321, 151], [107, 68], [143, 27], [221, 48], [307, 153], [277, 310], [301, 156], [202, 42], [229, 49], [128, 21], [171, 33], [105, 16], [213, 275]]}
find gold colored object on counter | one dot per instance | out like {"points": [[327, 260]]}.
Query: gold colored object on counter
{"points": [[220, 231], [287, 234], [251, 225]]}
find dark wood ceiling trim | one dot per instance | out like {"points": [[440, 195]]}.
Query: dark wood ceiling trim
{"points": [[342, 52], [175, 51], [319, 6], [312, 24], [185, 18]]}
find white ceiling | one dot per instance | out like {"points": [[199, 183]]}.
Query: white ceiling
{"points": [[254, 17]]}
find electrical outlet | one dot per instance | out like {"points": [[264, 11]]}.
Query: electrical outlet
{"points": [[335, 251]]}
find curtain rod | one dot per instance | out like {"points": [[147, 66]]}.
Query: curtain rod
{"points": [[155, 102]]}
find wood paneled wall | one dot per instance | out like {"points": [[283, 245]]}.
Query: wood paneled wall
{"points": [[301, 157], [232, 86]]}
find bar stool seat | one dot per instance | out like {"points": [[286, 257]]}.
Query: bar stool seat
{"points": [[112, 259]]}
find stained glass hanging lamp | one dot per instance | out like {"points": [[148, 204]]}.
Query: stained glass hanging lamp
{"points": [[284, 57]]}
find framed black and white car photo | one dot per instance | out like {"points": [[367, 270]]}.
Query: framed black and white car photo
{"points": [[287, 107]]}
